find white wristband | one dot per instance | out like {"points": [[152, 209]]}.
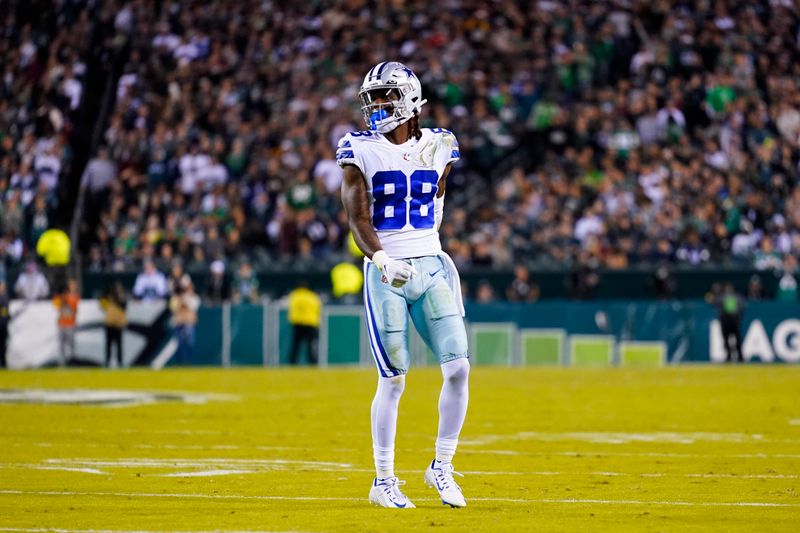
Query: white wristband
{"points": [[380, 258]]}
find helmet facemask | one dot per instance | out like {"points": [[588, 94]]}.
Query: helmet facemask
{"points": [[390, 96], [384, 108]]}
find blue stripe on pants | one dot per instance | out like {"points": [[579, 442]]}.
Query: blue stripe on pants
{"points": [[372, 330]]}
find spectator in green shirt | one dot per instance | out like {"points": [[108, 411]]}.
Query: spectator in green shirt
{"points": [[301, 194], [720, 94], [245, 285], [787, 286]]}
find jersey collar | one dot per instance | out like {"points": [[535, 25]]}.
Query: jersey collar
{"points": [[406, 146]]}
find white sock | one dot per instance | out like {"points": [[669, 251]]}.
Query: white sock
{"points": [[384, 423], [453, 402]]}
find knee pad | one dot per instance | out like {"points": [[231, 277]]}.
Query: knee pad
{"points": [[456, 371], [449, 339], [392, 387]]}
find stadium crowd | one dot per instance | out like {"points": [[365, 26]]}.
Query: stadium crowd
{"points": [[610, 134]]}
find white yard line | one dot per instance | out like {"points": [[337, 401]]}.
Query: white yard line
{"points": [[95, 431], [195, 463], [590, 453], [302, 448], [641, 502], [747, 476], [180, 447], [617, 437], [633, 474], [466, 450], [224, 467], [151, 446], [107, 397], [64, 469], [208, 473], [344, 499]]}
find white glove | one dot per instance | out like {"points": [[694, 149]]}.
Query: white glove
{"points": [[397, 272]]}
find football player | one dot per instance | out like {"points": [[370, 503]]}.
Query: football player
{"points": [[393, 191]]}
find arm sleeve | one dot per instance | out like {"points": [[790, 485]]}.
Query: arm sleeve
{"points": [[438, 211], [455, 153], [347, 154]]}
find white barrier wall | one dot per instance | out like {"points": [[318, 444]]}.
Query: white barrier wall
{"points": [[33, 333]]}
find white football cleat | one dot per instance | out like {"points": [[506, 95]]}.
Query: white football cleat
{"points": [[386, 493], [440, 477]]}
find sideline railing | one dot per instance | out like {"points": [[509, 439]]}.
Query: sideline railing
{"points": [[553, 333]]}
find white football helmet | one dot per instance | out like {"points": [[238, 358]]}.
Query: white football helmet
{"points": [[399, 92]]}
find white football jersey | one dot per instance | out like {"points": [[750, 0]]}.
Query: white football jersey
{"points": [[402, 181]]}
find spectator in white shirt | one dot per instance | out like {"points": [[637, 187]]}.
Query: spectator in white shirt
{"points": [[151, 284], [651, 179], [192, 166], [47, 166], [165, 39], [590, 223], [327, 171], [72, 88], [211, 175], [24, 181], [101, 172], [32, 285], [186, 52]]}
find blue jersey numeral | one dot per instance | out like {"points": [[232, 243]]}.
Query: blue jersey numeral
{"points": [[424, 184], [390, 210], [389, 190]]}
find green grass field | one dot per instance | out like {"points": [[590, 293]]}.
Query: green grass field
{"points": [[683, 448]]}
